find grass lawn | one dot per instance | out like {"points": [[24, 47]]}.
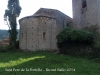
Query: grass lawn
{"points": [[46, 63]]}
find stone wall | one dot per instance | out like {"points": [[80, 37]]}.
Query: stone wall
{"points": [[90, 15], [38, 33], [23, 34]]}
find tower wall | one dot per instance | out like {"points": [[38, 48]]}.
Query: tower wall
{"points": [[90, 15]]}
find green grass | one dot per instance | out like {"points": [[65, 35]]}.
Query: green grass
{"points": [[20, 63]]}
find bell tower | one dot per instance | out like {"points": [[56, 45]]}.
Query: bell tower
{"points": [[86, 13]]}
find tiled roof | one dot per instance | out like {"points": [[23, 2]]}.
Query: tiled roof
{"points": [[5, 41], [49, 13], [58, 15]]}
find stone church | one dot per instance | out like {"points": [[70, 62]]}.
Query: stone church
{"points": [[38, 32]]}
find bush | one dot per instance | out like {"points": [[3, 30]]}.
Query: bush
{"points": [[7, 48], [96, 50], [75, 35], [95, 29], [75, 42]]}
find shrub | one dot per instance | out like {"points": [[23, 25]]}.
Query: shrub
{"points": [[75, 35], [7, 48], [95, 29], [75, 42], [96, 50], [4, 48]]}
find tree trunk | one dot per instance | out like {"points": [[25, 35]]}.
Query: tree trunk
{"points": [[13, 31]]}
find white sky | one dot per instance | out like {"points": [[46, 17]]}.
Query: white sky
{"points": [[29, 7]]}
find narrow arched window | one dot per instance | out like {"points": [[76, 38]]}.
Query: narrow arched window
{"points": [[44, 35], [84, 4]]}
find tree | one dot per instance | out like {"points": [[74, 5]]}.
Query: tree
{"points": [[10, 17]]}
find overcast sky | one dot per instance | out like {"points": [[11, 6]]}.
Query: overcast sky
{"points": [[29, 7]]}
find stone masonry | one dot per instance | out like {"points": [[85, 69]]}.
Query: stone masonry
{"points": [[86, 13], [38, 32]]}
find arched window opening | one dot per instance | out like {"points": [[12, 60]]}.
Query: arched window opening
{"points": [[44, 35], [84, 4]]}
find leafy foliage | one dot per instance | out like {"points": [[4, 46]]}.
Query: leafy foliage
{"points": [[96, 47], [10, 17], [75, 35], [7, 48], [93, 28], [17, 44], [75, 42]]}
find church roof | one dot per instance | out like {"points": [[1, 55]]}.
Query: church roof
{"points": [[60, 17], [49, 13], [53, 13]]}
